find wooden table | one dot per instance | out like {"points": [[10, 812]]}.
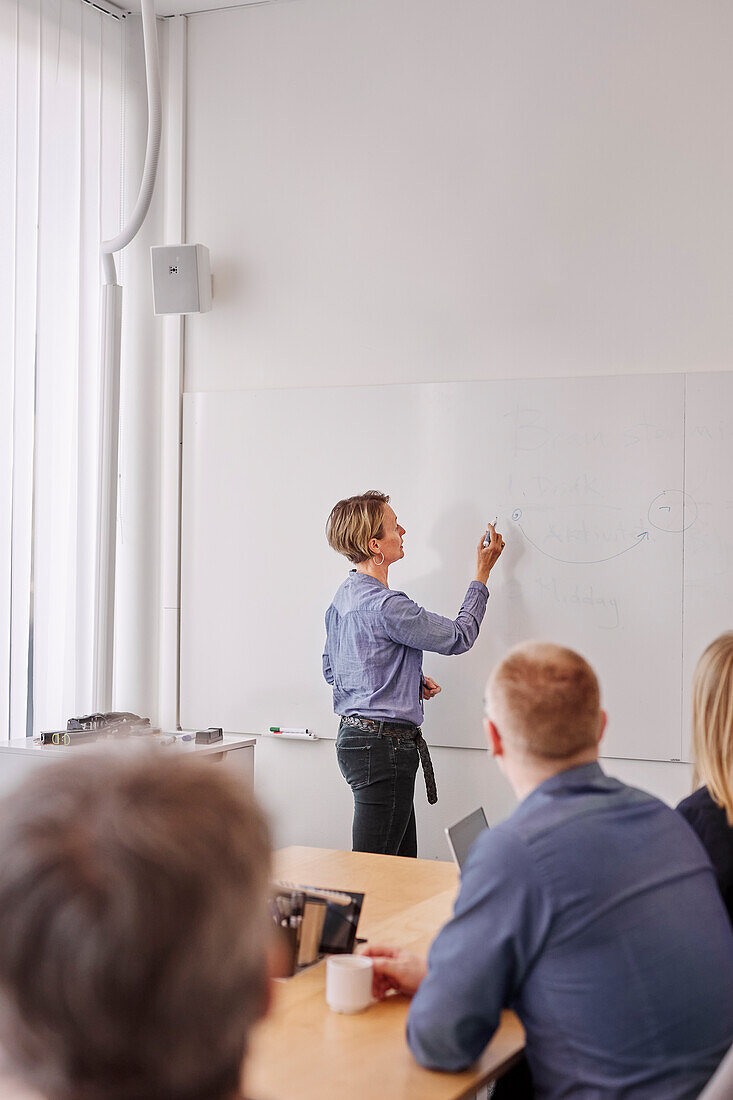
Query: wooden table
{"points": [[306, 1051]]}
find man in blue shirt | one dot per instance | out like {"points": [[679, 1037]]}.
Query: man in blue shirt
{"points": [[592, 911]]}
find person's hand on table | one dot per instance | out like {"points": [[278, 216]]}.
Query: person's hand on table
{"points": [[394, 968], [429, 687]]}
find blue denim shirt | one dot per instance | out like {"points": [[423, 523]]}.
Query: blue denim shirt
{"points": [[593, 912], [375, 639]]}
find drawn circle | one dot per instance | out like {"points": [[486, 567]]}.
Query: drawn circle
{"points": [[672, 511], [517, 515]]}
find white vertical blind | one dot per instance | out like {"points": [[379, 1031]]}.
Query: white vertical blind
{"points": [[62, 78], [7, 326]]}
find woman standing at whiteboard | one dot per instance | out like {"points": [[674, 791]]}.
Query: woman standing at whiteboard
{"points": [[375, 639]]}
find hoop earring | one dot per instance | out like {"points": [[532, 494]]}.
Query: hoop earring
{"points": [[378, 562]]}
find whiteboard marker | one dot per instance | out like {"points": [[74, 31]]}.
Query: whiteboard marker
{"points": [[487, 537], [291, 729]]}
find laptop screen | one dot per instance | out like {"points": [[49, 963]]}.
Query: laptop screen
{"points": [[462, 835]]}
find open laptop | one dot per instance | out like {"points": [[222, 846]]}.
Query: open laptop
{"points": [[462, 835]]}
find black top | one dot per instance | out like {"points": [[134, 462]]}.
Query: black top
{"points": [[710, 824]]}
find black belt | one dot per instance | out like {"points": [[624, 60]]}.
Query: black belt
{"points": [[403, 733]]}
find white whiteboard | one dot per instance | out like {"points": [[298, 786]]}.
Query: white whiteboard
{"points": [[708, 597], [612, 495]]}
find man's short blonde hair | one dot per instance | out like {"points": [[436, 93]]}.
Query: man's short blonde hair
{"points": [[712, 721], [353, 522], [545, 700]]}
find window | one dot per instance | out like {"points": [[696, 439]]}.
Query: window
{"points": [[62, 98]]}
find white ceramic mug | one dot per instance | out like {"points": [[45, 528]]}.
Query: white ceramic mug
{"points": [[349, 983]]}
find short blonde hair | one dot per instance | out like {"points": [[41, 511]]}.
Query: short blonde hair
{"points": [[712, 721], [353, 522], [545, 700]]}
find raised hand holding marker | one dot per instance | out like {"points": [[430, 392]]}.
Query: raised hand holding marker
{"points": [[487, 537]]}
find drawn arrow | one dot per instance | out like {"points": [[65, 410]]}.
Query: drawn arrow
{"points": [[641, 537]]}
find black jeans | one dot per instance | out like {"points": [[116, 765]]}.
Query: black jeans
{"points": [[381, 773]]}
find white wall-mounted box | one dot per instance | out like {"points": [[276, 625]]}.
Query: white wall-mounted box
{"points": [[181, 278]]}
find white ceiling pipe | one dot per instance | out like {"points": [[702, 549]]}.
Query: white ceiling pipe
{"points": [[109, 407], [109, 413], [152, 81]]}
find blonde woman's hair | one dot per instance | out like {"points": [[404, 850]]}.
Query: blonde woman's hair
{"points": [[712, 722], [545, 699], [353, 522]]}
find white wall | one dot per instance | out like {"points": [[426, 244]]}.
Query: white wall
{"points": [[415, 190], [421, 190]]}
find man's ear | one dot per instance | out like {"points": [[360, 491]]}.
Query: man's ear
{"points": [[494, 738], [601, 726]]}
